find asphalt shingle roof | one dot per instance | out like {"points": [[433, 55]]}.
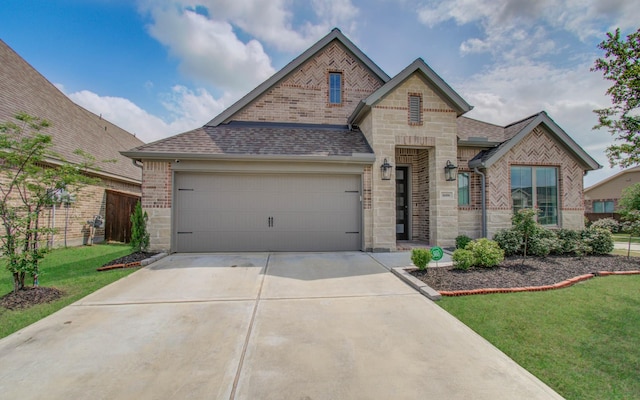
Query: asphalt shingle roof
{"points": [[248, 138], [23, 89]]}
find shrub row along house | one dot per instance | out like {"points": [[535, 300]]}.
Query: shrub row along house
{"points": [[331, 153], [24, 90]]}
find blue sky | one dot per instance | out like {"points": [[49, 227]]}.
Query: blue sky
{"points": [[161, 67]]}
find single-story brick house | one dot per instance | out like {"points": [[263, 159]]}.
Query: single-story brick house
{"points": [[601, 199], [331, 153], [23, 89]]}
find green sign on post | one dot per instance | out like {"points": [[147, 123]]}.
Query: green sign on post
{"points": [[436, 253]]}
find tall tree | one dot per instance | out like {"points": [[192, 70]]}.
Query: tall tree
{"points": [[621, 65], [27, 187]]}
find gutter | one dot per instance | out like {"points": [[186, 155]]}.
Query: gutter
{"points": [[355, 158], [484, 201]]}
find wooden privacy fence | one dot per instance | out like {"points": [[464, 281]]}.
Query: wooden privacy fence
{"points": [[118, 216]]}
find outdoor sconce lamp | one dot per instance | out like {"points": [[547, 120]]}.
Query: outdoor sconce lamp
{"points": [[450, 171], [386, 170]]}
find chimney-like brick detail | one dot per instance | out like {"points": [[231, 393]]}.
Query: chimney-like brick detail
{"points": [[156, 187]]}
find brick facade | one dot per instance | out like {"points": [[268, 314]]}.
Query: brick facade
{"points": [[70, 221], [302, 96], [537, 149]]}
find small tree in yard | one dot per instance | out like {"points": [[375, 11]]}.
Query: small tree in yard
{"points": [[27, 187], [139, 234], [524, 222]]}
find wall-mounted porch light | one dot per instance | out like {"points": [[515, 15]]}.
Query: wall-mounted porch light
{"points": [[450, 171], [386, 170]]}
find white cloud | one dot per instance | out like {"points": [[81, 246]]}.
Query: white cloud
{"points": [[515, 28], [509, 93], [187, 109], [210, 37]]}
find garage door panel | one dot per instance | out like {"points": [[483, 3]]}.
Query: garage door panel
{"points": [[294, 212]]}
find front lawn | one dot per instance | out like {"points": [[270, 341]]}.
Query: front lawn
{"points": [[72, 270], [583, 341]]}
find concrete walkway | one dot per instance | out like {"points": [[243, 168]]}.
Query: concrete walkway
{"points": [[258, 326]]}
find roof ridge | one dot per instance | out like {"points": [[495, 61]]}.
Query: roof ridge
{"points": [[482, 122], [525, 119]]}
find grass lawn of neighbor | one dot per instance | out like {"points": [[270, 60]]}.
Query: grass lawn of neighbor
{"points": [[71, 270]]}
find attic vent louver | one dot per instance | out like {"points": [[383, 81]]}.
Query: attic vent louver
{"points": [[414, 109]]}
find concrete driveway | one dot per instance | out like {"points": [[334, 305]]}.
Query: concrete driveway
{"points": [[258, 326]]}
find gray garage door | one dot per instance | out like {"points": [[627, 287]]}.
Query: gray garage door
{"points": [[239, 212]]}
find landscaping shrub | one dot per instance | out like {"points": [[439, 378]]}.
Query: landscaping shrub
{"points": [[609, 224], [542, 242], [569, 242], [463, 259], [509, 240], [600, 240], [486, 253], [462, 241], [420, 258]]}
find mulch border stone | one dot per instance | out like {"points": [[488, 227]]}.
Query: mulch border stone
{"points": [[404, 274]]}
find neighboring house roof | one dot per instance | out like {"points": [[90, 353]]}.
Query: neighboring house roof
{"points": [[437, 84], [515, 132], [611, 178], [335, 34], [23, 89], [267, 140]]}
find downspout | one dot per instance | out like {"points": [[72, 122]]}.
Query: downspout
{"points": [[484, 202]]}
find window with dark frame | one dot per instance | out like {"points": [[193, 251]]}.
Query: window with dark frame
{"points": [[415, 109], [536, 187], [464, 189], [335, 87]]}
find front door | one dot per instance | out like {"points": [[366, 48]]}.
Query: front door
{"points": [[402, 203]]}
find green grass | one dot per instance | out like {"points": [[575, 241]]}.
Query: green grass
{"points": [[583, 341], [624, 238], [72, 270]]}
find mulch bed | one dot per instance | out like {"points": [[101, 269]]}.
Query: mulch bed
{"points": [[29, 296], [513, 274], [36, 295], [128, 261]]}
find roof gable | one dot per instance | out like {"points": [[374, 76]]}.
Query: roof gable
{"points": [[336, 35], [23, 89], [436, 83], [517, 131]]}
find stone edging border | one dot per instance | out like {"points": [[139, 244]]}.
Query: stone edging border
{"points": [[403, 273], [142, 263]]}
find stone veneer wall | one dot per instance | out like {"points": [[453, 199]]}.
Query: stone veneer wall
{"points": [[302, 96], [389, 129], [156, 201], [537, 149]]}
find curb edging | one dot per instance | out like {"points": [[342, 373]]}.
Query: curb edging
{"points": [[417, 284], [559, 285], [134, 264]]}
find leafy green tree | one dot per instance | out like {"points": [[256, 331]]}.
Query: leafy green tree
{"points": [[621, 65], [139, 235], [524, 222], [629, 209], [27, 188]]}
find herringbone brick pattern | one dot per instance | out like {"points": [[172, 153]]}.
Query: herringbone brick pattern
{"points": [[538, 148], [303, 95]]}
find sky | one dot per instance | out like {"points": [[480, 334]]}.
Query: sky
{"points": [[161, 67]]}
